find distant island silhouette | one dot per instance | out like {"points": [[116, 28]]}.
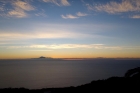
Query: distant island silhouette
{"points": [[42, 57], [47, 58], [128, 83]]}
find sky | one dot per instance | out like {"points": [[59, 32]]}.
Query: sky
{"points": [[69, 28]]}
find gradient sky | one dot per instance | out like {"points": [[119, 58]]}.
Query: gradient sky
{"points": [[69, 28]]}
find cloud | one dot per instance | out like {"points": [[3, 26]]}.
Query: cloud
{"points": [[66, 46], [52, 47], [40, 50], [117, 7], [41, 14], [69, 16], [20, 8], [135, 16], [23, 5], [50, 31], [43, 34], [58, 2], [61, 46], [81, 14], [113, 47], [19, 13], [65, 2], [1, 9]]}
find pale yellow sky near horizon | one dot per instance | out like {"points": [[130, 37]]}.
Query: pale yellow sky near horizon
{"points": [[68, 53]]}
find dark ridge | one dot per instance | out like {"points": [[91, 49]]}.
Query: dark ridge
{"points": [[129, 83]]}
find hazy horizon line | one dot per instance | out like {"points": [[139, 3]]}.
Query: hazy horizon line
{"points": [[76, 58]]}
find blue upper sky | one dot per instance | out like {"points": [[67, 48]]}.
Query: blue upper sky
{"points": [[69, 28]]}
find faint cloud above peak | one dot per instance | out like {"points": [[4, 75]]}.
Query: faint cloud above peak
{"points": [[41, 14], [69, 16], [114, 7], [135, 16], [58, 2], [81, 14]]}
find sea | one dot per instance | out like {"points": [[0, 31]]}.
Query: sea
{"points": [[44, 73]]}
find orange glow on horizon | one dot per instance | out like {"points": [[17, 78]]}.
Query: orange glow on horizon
{"points": [[61, 56]]}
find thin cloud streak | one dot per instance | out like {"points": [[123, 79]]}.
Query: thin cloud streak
{"points": [[135, 16], [81, 14], [115, 7], [23, 5], [60, 46], [20, 9], [41, 14], [65, 2], [19, 13], [49, 35], [52, 47], [58, 2], [51, 31], [69, 16], [40, 50], [1, 8]]}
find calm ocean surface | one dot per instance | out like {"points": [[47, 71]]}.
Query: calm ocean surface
{"points": [[42, 73]]}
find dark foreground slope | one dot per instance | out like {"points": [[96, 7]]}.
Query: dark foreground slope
{"points": [[129, 83]]}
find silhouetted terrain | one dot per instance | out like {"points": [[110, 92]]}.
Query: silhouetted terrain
{"points": [[129, 83]]}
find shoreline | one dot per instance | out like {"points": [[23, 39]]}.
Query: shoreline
{"points": [[112, 83]]}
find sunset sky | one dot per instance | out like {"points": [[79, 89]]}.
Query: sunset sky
{"points": [[69, 28]]}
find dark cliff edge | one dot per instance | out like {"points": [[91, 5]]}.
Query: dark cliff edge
{"points": [[129, 83]]}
